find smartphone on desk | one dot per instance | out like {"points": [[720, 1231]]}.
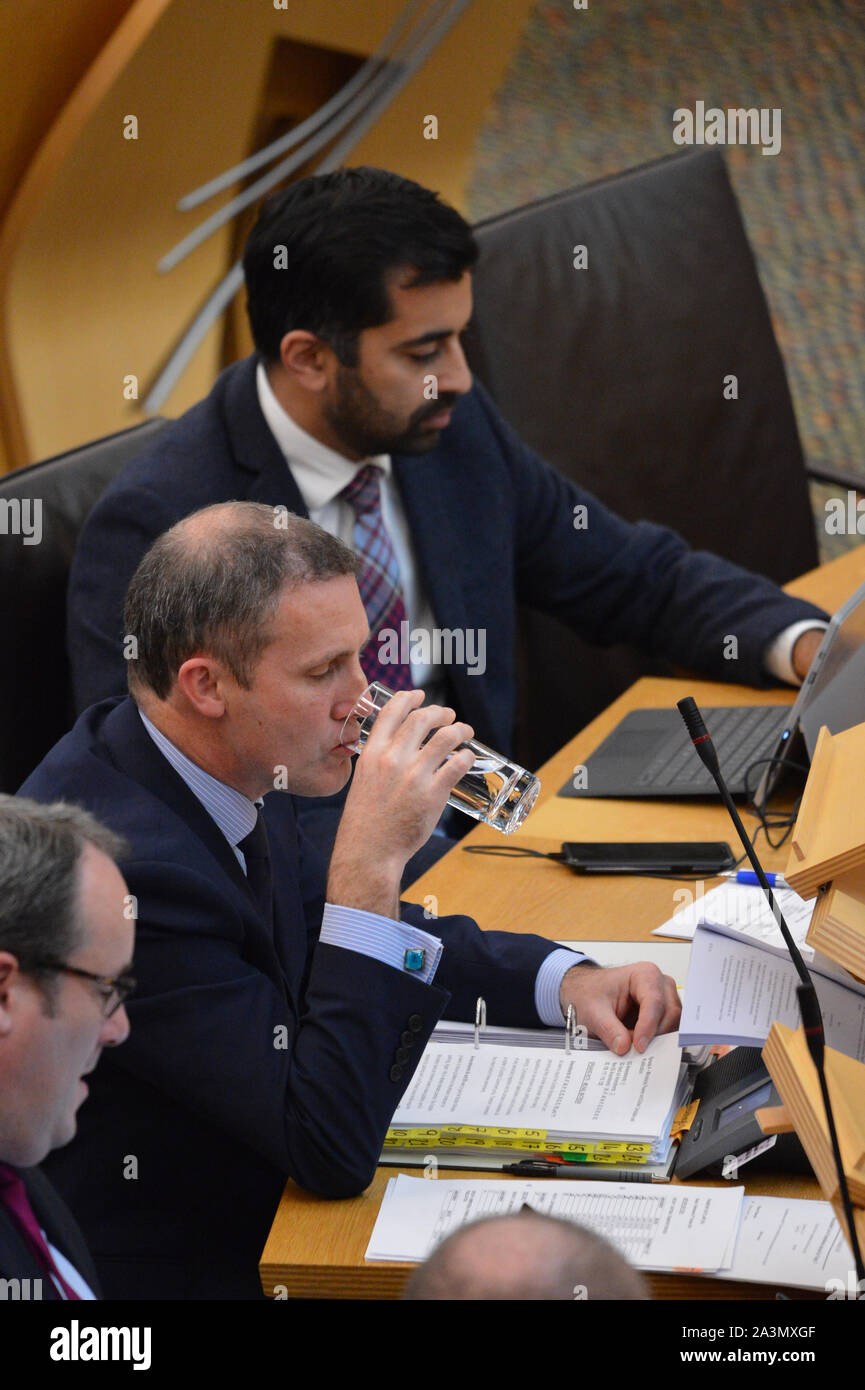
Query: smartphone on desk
{"points": [[669, 857]]}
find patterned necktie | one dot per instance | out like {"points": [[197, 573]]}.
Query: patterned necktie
{"points": [[255, 850], [13, 1196], [378, 582]]}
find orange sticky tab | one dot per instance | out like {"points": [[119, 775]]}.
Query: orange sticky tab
{"points": [[683, 1119]]}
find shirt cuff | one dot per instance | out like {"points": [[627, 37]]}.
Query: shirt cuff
{"points": [[778, 657], [406, 948], [549, 982]]}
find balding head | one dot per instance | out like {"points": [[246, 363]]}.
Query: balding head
{"points": [[527, 1256], [212, 584], [248, 626]]}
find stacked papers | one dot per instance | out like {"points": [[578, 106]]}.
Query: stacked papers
{"points": [[738, 988], [702, 1230], [654, 1227], [785, 1240], [518, 1100], [744, 909]]}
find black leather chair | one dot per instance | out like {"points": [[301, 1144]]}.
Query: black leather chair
{"points": [[616, 373], [35, 693]]}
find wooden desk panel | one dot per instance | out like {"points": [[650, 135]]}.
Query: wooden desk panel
{"points": [[535, 896], [316, 1247]]}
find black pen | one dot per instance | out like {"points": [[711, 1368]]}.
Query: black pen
{"points": [[537, 1168]]}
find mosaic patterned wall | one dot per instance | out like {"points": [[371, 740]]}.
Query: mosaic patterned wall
{"points": [[591, 92]]}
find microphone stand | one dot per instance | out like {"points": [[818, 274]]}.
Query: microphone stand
{"points": [[809, 1004]]}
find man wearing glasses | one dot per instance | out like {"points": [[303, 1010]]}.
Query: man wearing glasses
{"points": [[66, 936]]}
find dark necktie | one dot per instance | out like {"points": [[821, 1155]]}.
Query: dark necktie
{"points": [[255, 850], [13, 1196], [379, 584]]}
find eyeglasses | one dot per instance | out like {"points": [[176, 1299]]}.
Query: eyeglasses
{"points": [[115, 990]]}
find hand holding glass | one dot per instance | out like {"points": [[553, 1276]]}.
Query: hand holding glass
{"points": [[494, 790]]}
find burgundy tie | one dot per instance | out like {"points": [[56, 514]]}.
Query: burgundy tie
{"points": [[379, 584], [13, 1196]]}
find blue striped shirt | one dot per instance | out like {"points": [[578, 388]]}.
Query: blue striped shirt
{"points": [[350, 928]]}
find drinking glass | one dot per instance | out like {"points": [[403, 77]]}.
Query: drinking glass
{"points": [[494, 790]]}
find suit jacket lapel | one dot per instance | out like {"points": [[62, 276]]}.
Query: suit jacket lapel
{"points": [[59, 1225], [289, 920], [17, 1260], [255, 450], [431, 491], [134, 751]]}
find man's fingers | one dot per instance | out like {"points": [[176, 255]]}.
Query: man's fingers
{"points": [[454, 768], [658, 1000], [607, 997], [441, 746], [393, 714], [597, 1005], [598, 1015]]}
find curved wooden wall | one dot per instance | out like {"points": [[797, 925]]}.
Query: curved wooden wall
{"points": [[82, 304]]}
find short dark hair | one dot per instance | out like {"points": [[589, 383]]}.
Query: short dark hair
{"points": [[319, 255], [40, 853], [212, 584]]}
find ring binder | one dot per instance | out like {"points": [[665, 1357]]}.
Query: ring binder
{"points": [[480, 1019]]}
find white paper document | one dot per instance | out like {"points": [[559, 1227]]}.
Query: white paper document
{"points": [[736, 990], [653, 1227], [595, 1095], [787, 1240], [745, 909]]}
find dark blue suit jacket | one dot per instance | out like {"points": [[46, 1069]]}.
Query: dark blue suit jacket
{"points": [[17, 1260], [492, 524], [253, 1056]]}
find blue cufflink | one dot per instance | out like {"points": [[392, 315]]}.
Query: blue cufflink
{"points": [[414, 959]]}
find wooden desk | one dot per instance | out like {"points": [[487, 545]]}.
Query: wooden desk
{"points": [[316, 1247]]}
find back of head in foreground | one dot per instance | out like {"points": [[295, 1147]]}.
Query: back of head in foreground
{"points": [[527, 1256]]}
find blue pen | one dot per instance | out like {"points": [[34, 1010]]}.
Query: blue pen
{"points": [[748, 876]]}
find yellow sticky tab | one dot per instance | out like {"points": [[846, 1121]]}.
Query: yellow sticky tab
{"points": [[611, 1146]]}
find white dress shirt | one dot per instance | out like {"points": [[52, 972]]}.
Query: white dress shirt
{"points": [[321, 474], [76, 1281]]}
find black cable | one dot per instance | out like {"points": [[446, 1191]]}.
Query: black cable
{"points": [[512, 852], [558, 857], [778, 820]]}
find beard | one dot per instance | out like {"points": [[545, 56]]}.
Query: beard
{"points": [[365, 428]]}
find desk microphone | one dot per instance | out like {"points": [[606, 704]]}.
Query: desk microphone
{"points": [[809, 1004]]}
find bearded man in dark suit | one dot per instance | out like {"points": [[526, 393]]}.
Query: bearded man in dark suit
{"points": [[358, 410]]}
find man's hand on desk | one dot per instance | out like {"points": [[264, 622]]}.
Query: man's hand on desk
{"points": [[623, 1004], [805, 650]]}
